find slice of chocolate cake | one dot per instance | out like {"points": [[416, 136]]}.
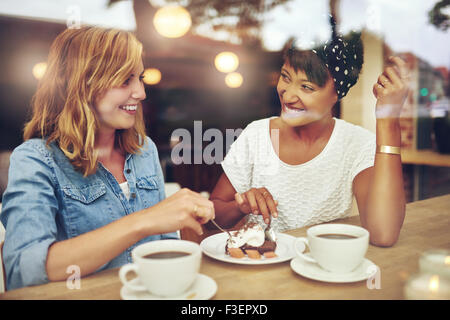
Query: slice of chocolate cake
{"points": [[265, 247], [250, 237]]}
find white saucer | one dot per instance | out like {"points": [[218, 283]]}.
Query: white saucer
{"points": [[313, 271], [203, 288], [214, 247]]}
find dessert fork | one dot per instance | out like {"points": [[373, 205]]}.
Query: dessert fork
{"points": [[223, 230]]}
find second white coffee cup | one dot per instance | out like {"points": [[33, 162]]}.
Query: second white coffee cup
{"points": [[338, 248], [163, 276]]}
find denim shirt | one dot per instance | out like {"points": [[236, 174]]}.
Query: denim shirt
{"points": [[46, 201]]}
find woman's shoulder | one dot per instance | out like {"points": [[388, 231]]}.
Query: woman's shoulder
{"points": [[31, 157], [32, 147], [355, 132], [256, 127], [146, 161], [259, 123], [148, 148], [354, 141]]}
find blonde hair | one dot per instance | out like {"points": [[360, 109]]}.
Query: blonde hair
{"points": [[82, 64]]}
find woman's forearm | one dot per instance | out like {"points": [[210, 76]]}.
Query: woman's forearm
{"points": [[93, 249], [386, 198]]}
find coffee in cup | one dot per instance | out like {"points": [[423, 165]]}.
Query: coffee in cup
{"points": [[164, 267], [338, 248]]}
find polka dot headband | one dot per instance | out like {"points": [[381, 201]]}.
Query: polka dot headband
{"points": [[343, 58], [338, 58]]}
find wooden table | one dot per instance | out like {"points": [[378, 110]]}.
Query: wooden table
{"points": [[426, 226]]}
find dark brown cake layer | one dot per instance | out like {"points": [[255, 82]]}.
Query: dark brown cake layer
{"points": [[267, 246]]}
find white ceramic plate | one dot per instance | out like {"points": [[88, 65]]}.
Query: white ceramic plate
{"points": [[214, 247], [313, 271], [203, 288]]}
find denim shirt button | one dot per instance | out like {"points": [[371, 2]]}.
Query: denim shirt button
{"points": [[128, 171], [133, 195]]}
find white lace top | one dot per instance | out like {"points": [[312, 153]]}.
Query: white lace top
{"points": [[317, 191]]}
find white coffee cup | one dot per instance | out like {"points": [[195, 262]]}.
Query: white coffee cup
{"points": [[163, 277], [335, 255]]}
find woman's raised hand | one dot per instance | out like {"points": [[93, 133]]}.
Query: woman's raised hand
{"points": [[184, 209], [392, 89], [257, 201]]}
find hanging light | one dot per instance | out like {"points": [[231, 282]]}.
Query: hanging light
{"points": [[226, 61], [234, 80], [152, 76], [172, 21], [39, 70]]}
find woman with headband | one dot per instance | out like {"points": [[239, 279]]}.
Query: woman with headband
{"points": [[305, 166]]}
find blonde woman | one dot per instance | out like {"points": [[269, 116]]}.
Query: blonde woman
{"points": [[86, 186]]}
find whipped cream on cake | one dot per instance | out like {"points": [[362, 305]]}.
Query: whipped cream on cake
{"points": [[250, 240], [252, 234]]}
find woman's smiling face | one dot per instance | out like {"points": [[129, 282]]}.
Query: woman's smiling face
{"points": [[303, 101], [116, 108]]}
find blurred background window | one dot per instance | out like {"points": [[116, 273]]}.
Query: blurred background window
{"points": [[184, 83]]}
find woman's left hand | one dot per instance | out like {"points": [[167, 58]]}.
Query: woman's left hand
{"points": [[392, 89]]}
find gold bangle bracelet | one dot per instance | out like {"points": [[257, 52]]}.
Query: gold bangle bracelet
{"points": [[388, 149]]}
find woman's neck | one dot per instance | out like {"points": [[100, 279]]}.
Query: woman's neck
{"points": [[111, 157], [314, 131], [105, 145]]}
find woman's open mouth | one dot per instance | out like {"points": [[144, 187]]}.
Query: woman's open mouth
{"points": [[292, 111], [129, 108]]}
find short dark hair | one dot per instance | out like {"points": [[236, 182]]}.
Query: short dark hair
{"points": [[314, 63], [306, 61]]}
